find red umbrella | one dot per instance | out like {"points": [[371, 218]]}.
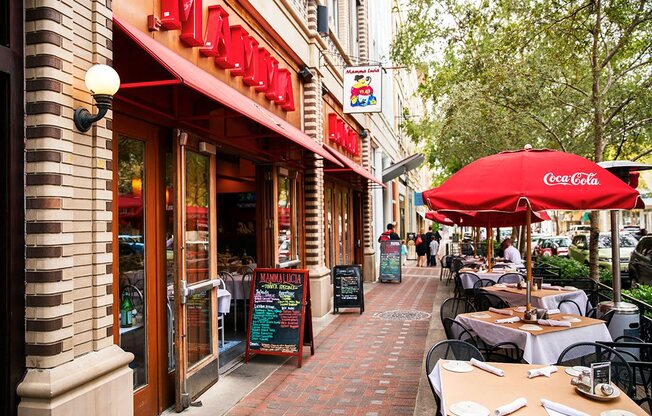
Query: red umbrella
{"points": [[485, 218], [542, 179]]}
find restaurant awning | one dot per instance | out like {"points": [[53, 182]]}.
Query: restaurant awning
{"points": [[186, 73], [351, 165], [399, 168]]}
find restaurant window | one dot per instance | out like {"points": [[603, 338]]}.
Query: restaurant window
{"points": [[132, 186], [354, 35], [333, 16], [288, 216]]}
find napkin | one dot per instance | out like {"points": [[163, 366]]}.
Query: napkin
{"points": [[543, 371], [502, 311], [564, 410], [487, 367], [552, 322], [508, 320], [553, 311], [511, 284], [511, 407], [546, 285]]}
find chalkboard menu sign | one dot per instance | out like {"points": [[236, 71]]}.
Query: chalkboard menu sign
{"points": [[280, 319], [348, 291], [390, 261]]}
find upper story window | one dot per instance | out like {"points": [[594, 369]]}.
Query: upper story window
{"points": [[333, 15], [354, 34]]}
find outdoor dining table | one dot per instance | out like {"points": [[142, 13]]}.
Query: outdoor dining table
{"points": [[467, 281], [547, 298], [492, 391], [541, 346]]}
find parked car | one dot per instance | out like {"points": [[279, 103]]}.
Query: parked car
{"points": [[640, 262], [579, 249], [554, 246], [579, 229], [537, 239]]}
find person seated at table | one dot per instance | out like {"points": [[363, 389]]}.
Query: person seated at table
{"points": [[511, 253]]}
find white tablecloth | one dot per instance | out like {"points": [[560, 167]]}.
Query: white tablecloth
{"points": [[537, 349], [467, 281], [547, 302]]}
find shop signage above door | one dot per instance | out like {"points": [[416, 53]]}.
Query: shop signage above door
{"points": [[342, 135], [362, 89], [231, 47]]}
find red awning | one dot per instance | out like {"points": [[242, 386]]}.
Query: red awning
{"points": [[201, 81], [351, 165]]}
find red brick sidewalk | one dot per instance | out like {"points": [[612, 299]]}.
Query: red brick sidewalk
{"points": [[363, 365]]}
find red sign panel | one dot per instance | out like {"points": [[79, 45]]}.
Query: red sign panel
{"points": [[341, 134], [231, 47]]}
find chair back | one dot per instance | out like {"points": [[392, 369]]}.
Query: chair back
{"points": [[452, 307], [586, 353], [569, 306], [456, 264], [457, 330], [445, 264], [469, 278], [247, 276], [484, 301], [483, 283], [510, 278]]}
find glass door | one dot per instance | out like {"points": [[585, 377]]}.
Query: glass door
{"points": [[195, 323]]}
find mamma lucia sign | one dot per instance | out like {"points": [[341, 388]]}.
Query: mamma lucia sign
{"points": [[231, 47], [362, 89]]}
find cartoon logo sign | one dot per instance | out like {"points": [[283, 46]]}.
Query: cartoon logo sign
{"points": [[362, 89]]}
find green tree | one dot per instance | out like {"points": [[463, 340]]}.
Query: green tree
{"points": [[569, 75]]}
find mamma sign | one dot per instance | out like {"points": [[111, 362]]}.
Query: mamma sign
{"points": [[231, 47]]}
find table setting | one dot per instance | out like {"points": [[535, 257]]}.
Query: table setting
{"points": [[501, 389], [541, 340], [548, 297]]}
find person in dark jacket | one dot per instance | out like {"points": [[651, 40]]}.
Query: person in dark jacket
{"points": [[422, 249]]}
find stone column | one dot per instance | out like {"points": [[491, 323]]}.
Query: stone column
{"points": [[368, 240], [71, 360]]}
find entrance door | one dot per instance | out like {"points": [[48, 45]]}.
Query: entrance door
{"points": [[196, 282], [137, 276]]}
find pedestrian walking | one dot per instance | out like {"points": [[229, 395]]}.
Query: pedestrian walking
{"points": [[422, 249], [434, 249], [389, 234], [403, 252]]}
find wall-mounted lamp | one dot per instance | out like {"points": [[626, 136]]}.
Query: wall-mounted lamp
{"points": [[103, 82], [363, 133], [305, 74]]}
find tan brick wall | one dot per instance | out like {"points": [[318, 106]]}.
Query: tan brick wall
{"points": [[68, 185]]}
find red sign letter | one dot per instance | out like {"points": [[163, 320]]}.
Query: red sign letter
{"points": [[237, 52], [170, 14], [272, 79], [217, 41], [333, 131], [263, 57], [285, 93], [192, 27]]}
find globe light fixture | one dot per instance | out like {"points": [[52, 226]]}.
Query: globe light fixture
{"points": [[103, 82]]}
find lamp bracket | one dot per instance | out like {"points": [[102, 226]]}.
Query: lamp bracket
{"points": [[84, 119]]}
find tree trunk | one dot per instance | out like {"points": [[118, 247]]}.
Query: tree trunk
{"points": [[598, 125], [522, 239]]}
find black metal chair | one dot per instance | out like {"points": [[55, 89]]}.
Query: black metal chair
{"points": [[247, 277], [569, 306], [510, 278], [586, 353], [445, 268], [483, 283], [639, 356], [471, 278], [448, 350], [484, 301], [452, 307], [506, 352], [593, 313]]}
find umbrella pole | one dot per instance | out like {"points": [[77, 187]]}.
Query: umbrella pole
{"points": [[475, 241], [490, 247], [529, 258]]}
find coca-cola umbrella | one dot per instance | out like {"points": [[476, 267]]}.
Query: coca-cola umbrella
{"points": [[539, 179], [487, 219]]}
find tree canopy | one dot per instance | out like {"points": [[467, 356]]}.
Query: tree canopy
{"points": [[568, 75]]}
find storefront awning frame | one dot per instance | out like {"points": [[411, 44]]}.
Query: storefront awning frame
{"points": [[352, 166], [397, 169], [186, 73]]}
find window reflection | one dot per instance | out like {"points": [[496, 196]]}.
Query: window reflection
{"points": [[197, 226], [131, 254], [284, 226]]}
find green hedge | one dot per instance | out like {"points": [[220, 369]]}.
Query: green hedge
{"points": [[572, 269]]}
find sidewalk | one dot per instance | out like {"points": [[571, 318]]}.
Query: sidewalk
{"points": [[369, 364]]}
